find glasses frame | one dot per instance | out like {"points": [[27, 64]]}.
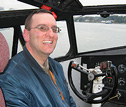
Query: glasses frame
{"points": [[46, 28]]}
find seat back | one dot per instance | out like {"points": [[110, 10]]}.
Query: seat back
{"points": [[4, 58], [2, 102], [4, 52]]}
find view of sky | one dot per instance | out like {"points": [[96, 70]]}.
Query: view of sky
{"points": [[102, 2], [7, 4]]}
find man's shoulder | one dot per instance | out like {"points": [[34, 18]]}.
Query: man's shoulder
{"points": [[15, 65], [15, 71]]}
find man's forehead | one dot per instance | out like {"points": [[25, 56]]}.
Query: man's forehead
{"points": [[43, 18], [42, 15]]}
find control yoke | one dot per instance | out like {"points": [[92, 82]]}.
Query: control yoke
{"points": [[99, 73]]}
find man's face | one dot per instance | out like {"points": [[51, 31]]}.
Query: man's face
{"points": [[42, 42]]}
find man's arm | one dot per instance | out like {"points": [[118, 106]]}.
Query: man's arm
{"points": [[14, 93]]}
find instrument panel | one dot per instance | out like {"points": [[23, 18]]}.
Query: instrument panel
{"points": [[120, 63]]}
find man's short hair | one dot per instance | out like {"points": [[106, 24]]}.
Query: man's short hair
{"points": [[28, 20]]}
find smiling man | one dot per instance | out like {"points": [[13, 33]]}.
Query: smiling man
{"points": [[40, 35], [32, 78]]}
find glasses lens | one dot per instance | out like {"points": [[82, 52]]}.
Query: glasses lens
{"points": [[43, 28], [55, 29]]}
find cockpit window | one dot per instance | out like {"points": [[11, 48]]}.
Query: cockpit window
{"points": [[95, 32], [63, 45], [6, 5]]}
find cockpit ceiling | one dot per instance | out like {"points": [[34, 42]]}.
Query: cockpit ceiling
{"points": [[72, 5], [62, 5]]}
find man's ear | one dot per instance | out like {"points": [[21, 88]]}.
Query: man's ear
{"points": [[26, 35]]}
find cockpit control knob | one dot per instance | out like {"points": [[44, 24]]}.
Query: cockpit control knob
{"points": [[121, 81], [122, 68]]}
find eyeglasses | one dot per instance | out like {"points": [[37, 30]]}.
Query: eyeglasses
{"points": [[45, 28]]}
